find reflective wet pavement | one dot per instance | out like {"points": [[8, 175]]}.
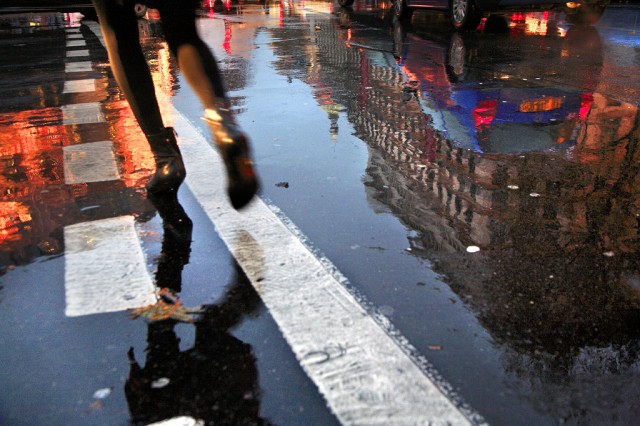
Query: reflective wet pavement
{"points": [[479, 190]]}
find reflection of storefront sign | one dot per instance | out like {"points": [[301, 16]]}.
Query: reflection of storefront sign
{"points": [[541, 105]]}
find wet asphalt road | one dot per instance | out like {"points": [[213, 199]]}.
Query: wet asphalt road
{"points": [[397, 150]]}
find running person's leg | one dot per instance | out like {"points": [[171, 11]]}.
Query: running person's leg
{"points": [[119, 27], [199, 67], [195, 59]]}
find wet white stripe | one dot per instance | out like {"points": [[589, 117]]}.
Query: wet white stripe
{"points": [[79, 86], [74, 36], [90, 162], [77, 53], [76, 43], [105, 269], [78, 66], [179, 421], [366, 377], [82, 113]]}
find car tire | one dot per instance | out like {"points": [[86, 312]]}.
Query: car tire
{"points": [[346, 3], [465, 16], [456, 59], [401, 10], [140, 10]]}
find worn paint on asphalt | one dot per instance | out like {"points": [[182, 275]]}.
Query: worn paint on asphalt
{"points": [[90, 162], [105, 269], [82, 113], [77, 53], [79, 86], [76, 43], [84, 66]]}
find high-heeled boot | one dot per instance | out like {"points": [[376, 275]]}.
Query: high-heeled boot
{"points": [[233, 145], [170, 171]]}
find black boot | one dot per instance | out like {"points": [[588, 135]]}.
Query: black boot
{"points": [[170, 172], [233, 145]]}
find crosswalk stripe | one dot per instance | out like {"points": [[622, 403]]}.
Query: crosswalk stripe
{"points": [[83, 66], [90, 162], [84, 113], [76, 43], [77, 53], [105, 269], [79, 86], [366, 376]]}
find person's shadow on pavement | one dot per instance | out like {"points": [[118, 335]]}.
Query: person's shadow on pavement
{"points": [[215, 381]]}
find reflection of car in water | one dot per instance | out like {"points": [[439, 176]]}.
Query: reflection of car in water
{"points": [[140, 10], [467, 14], [488, 96]]}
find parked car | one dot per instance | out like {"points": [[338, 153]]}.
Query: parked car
{"points": [[140, 10], [467, 14]]}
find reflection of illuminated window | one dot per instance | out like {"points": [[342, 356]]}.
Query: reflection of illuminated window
{"points": [[536, 25]]}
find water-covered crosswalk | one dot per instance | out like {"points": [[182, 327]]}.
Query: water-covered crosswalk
{"points": [[366, 375]]}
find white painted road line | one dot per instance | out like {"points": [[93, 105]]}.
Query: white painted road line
{"points": [[79, 86], [105, 269], [179, 421], [86, 113], [83, 66], [77, 53], [366, 376], [90, 162], [76, 43]]}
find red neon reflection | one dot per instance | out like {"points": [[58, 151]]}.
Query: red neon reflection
{"points": [[585, 105], [485, 112]]}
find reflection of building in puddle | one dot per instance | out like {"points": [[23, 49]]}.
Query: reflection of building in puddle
{"points": [[322, 61], [556, 282], [558, 278]]}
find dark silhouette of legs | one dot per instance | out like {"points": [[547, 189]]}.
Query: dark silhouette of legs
{"points": [[119, 27]]}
